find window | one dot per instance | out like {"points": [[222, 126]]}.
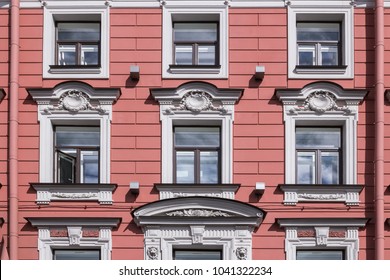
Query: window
{"points": [[195, 43], [320, 41], [78, 43], [76, 254], [320, 255], [322, 238], [318, 155], [321, 144], [77, 154], [75, 41], [197, 153], [197, 255], [318, 44]]}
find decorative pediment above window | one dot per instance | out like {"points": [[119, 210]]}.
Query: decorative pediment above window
{"points": [[75, 97], [203, 222], [320, 98], [196, 98]]}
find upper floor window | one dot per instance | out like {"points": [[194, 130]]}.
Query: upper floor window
{"points": [[197, 153], [78, 43], [320, 41], [319, 44], [77, 153], [318, 155], [195, 43]]}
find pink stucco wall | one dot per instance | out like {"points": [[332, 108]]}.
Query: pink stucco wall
{"points": [[256, 37]]}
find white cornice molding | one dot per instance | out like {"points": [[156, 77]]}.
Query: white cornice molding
{"points": [[194, 210], [318, 222]]}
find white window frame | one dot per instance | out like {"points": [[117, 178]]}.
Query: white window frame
{"points": [[174, 111], [334, 107], [321, 14], [194, 13], [61, 12], [180, 223], [53, 109], [322, 240], [74, 238]]}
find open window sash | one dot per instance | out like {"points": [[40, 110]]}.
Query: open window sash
{"points": [[66, 169]]}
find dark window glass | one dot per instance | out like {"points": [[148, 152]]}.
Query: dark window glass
{"points": [[76, 254], [197, 155], [320, 255], [195, 43], [319, 43], [318, 155], [197, 255], [77, 152], [78, 43]]}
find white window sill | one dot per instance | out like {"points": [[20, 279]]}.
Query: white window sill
{"points": [[294, 193], [75, 70], [48, 192], [337, 70], [194, 69]]}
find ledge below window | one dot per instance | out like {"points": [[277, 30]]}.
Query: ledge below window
{"points": [[293, 193], [194, 69], [48, 192], [183, 190], [310, 69], [75, 69]]}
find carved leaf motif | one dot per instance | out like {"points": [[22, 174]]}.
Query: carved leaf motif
{"points": [[198, 213]]}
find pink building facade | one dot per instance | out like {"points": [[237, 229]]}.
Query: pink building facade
{"points": [[182, 129]]}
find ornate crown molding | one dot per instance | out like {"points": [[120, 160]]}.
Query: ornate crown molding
{"points": [[198, 213], [321, 101], [74, 101]]}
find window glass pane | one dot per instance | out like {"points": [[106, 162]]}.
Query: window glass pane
{"points": [[330, 167], [67, 55], [329, 55], [318, 137], [66, 166], [185, 167], [197, 137], [78, 31], [183, 55], [206, 55], [306, 168], [76, 255], [306, 55], [195, 32], [90, 166], [197, 255], [317, 32], [320, 255], [209, 167], [70, 136], [89, 54]]}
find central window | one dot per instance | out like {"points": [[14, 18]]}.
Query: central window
{"points": [[78, 43], [77, 154], [195, 43], [197, 255], [197, 155], [319, 44], [318, 155], [76, 254]]}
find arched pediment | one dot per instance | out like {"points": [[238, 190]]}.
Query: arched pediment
{"points": [[198, 210]]}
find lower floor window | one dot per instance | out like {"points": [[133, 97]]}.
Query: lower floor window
{"points": [[320, 255], [60, 254], [197, 254]]}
